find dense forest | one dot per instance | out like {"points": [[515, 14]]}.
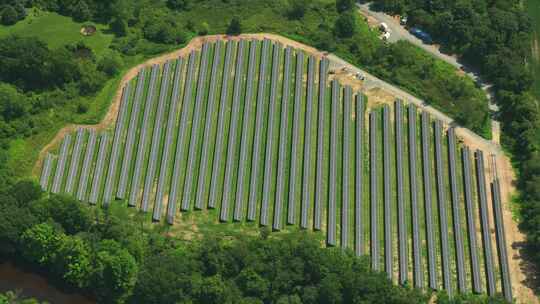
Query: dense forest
{"points": [[112, 256], [494, 37], [42, 87]]}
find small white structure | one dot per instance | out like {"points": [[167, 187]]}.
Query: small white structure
{"points": [[360, 76], [403, 20], [384, 27]]}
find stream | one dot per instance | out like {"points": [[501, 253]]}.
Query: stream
{"points": [[35, 286]]}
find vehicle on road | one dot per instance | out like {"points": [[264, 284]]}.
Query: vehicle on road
{"points": [[403, 20], [360, 76], [383, 27], [420, 34]]}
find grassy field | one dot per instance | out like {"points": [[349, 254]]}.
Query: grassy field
{"points": [[57, 30], [533, 10]]}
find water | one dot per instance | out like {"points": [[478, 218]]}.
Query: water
{"points": [[35, 286]]}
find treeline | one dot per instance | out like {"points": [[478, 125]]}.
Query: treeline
{"points": [[36, 81], [113, 256], [30, 65], [13, 297], [336, 27], [150, 28], [39, 86], [494, 37], [109, 255], [11, 11]]}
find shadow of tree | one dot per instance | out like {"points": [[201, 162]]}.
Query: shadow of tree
{"points": [[527, 266]]}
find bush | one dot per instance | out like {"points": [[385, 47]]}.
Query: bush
{"points": [[8, 15], [235, 26], [204, 29], [346, 26], [110, 64], [119, 27], [345, 5], [298, 8], [179, 4], [80, 11]]}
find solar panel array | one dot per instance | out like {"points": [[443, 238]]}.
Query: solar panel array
{"points": [[402, 229], [243, 127]]}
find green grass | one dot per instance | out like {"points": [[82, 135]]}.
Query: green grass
{"points": [[57, 30]]}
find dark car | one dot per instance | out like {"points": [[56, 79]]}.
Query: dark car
{"points": [[425, 37]]}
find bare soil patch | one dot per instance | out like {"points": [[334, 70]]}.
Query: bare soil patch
{"points": [[378, 97]]}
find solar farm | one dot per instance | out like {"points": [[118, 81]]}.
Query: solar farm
{"points": [[262, 133]]}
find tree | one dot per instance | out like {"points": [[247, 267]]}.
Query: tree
{"points": [[80, 11], [8, 15], [171, 276], [26, 191], [345, 26], [28, 63], [235, 26], [11, 297], [214, 290], [204, 29], [325, 39], [111, 64], [40, 243], [119, 27], [252, 284], [73, 216], [73, 261], [14, 220], [344, 5], [91, 79], [181, 5], [394, 6], [114, 272], [13, 105], [298, 8]]}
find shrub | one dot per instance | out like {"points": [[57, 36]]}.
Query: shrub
{"points": [[345, 26], [8, 15], [235, 27]]}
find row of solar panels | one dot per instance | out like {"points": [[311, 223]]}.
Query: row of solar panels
{"points": [[268, 167]]}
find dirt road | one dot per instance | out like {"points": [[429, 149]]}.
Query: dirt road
{"points": [[399, 32]]}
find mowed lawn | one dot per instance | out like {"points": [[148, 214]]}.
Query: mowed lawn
{"points": [[57, 30]]}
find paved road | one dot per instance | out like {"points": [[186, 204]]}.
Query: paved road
{"points": [[398, 32], [374, 82]]}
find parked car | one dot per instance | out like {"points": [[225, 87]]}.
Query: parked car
{"points": [[420, 34], [403, 20], [383, 27]]}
